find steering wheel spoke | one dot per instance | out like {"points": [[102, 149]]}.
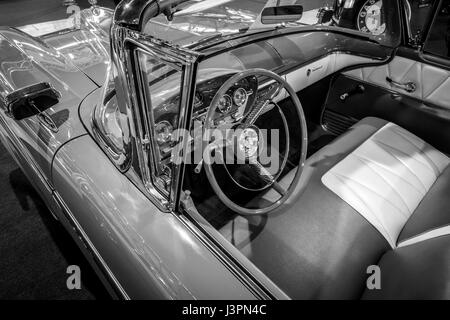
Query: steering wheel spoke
{"points": [[263, 101], [279, 188], [266, 176], [256, 112]]}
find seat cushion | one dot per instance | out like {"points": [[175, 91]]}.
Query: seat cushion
{"points": [[319, 247], [433, 212], [387, 177], [418, 271]]}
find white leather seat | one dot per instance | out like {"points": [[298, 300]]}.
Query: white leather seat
{"points": [[387, 177], [376, 192]]}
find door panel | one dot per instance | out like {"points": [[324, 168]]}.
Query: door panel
{"points": [[427, 122], [432, 83], [412, 90]]}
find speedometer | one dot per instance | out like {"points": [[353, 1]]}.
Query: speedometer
{"points": [[370, 18], [240, 97], [225, 103]]}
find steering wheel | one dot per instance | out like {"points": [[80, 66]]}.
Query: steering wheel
{"points": [[246, 141]]}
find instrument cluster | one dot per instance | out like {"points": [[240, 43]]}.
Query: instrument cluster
{"points": [[232, 104]]}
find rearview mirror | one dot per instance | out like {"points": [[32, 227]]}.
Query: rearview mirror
{"points": [[275, 15], [31, 100]]}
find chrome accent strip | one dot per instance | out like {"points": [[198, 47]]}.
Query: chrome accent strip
{"points": [[131, 94], [129, 98], [90, 246], [184, 122], [46, 121]]}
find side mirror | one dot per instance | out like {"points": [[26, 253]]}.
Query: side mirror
{"points": [[275, 15], [31, 100]]}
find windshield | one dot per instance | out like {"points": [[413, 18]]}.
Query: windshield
{"points": [[196, 20]]}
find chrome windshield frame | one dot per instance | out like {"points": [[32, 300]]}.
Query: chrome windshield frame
{"points": [[131, 94]]}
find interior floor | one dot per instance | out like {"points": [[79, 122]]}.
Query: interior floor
{"points": [[318, 137]]}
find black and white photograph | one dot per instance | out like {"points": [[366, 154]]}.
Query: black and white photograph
{"points": [[225, 150]]}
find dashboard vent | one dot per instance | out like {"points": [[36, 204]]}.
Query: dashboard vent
{"points": [[336, 123]]}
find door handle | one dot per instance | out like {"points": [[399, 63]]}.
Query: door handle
{"points": [[407, 86]]}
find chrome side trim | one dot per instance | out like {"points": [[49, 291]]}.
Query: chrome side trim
{"points": [[27, 156], [109, 275], [427, 235]]}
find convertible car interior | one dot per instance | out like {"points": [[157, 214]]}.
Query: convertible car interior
{"points": [[374, 187], [279, 149]]}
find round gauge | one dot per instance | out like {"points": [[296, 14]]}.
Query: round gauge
{"points": [[370, 18], [240, 97], [225, 103], [163, 131]]}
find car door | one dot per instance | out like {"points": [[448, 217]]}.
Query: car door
{"points": [[412, 90]]}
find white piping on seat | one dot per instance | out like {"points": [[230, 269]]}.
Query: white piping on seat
{"points": [[438, 232]]}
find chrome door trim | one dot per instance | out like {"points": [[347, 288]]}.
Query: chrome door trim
{"points": [[125, 42]]}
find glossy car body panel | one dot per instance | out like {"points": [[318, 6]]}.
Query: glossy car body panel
{"points": [[159, 257], [25, 61], [87, 47]]}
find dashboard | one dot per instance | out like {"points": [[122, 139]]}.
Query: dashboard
{"points": [[232, 107]]}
